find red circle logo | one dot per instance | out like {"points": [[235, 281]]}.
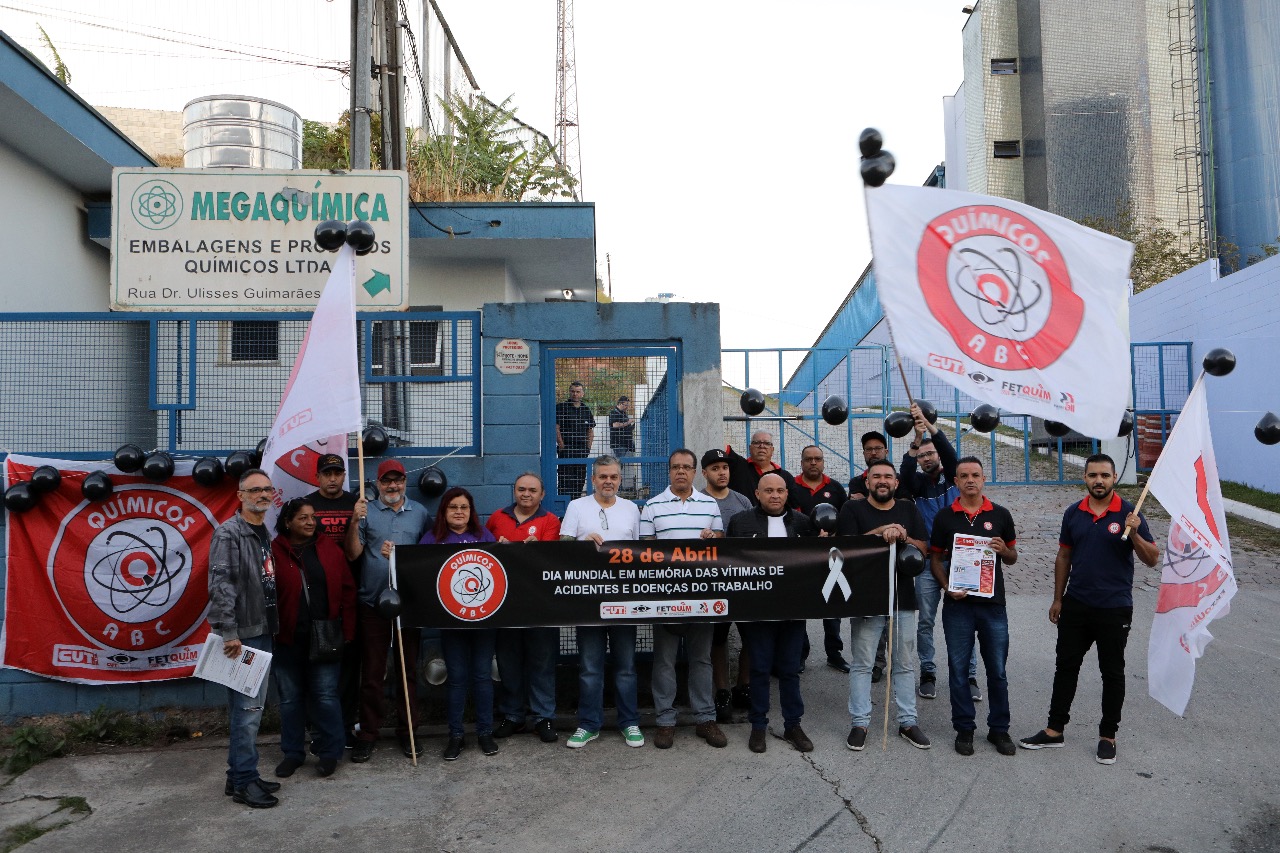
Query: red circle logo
{"points": [[1114, 527], [472, 585], [986, 525], [130, 589], [719, 607], [1000, 287]]}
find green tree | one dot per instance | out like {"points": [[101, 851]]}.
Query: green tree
{"points": [[1159, 252], [325, 147], [60, 69]]}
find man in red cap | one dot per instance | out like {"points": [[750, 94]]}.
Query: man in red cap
{"points": [[392, 520]]}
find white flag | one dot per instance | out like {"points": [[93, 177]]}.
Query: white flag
{"points": [[1012, 305], [322, 398], [1197, 581]]}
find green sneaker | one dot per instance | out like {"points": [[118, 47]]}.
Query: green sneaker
{"points": [[633, 736], [581, 738]]}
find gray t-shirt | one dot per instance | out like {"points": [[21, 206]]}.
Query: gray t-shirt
{"points": [[732, 504]]}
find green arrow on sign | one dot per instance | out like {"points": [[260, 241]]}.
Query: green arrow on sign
{"points": [[377, 283]]}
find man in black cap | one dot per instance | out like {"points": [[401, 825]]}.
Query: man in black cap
{"points": [[334, 506]]}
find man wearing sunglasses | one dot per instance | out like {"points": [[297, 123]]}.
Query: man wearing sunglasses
{"points": [[601, 517], [392, 520]]}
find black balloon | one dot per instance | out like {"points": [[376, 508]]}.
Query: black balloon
{"points": [[899, 424], [910, 560], [870, 141], [375, 440], [752, 402], [97, 486], [331, 234], [389, 606], [929, 410], [1219, 361], [129, 458], [258, 450], [1055, 429], [1126, 424], [238, 461], [1268, 429], [20, 497], [360, 236], [46, 478], [432, 482], [876, 170], [835, 410], [158, 466], [824, 517], [985, 418], [207, 471]]}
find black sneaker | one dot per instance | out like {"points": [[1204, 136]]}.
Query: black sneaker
{"points": [[362, 751], [255, 796], [724, 706], [487, 744], [452, 749], [964, 743], [914, 736], [508, 727], [928, 688], [1042, 740], [1003, 743], [326, 766], [857, 740], [877, 673], [1106, 751], [269, 787], [546, 730]]}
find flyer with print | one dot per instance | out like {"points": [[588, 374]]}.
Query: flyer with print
{"points": [[973, 566]]}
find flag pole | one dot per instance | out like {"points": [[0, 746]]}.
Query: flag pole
{"points": [[404, 678], [888, 661], [1147, 486]]}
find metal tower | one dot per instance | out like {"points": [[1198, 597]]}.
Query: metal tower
{"points": [[567, 151]]}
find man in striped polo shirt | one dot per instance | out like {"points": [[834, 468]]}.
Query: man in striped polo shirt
{"points": [[683, 512]]}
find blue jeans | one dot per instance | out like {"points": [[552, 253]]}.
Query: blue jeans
{"points": [[774, 646], [468, 657], [864, 637], [928, 596], [245, 717], [527, 663], [591, 653], [307, 691], [961, 622]]}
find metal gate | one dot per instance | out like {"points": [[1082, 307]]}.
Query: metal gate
{"points": [[649, 376]]}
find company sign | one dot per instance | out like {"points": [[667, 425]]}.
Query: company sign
{"points": [[240, 240]]}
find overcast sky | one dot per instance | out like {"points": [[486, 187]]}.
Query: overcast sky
{"points": [[719, 140]]}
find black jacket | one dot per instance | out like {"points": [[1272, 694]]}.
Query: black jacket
{"points": [[754, 523]]}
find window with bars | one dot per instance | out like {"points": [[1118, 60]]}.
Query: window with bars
{"points": [[254, 341]]}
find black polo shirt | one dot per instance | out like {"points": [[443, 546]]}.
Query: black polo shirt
{"points": [[1101, 564], [828, 491], [859, 517], [575, 423], [991, 520]]}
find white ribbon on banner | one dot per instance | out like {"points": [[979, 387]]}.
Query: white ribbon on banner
{"points": [[835, 576]]}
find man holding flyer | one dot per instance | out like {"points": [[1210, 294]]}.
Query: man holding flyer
{"points": [[972, 541]]}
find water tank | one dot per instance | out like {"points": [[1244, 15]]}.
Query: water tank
{"points": [[232, 131]]}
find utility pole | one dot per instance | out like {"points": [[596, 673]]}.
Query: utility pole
{"points": [[567, 151], [392, 79], [361, 65]]}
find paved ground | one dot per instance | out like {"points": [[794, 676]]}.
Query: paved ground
{"points": [[1206, 782]]}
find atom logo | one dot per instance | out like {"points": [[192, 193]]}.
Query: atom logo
{"points": [[157, 205], [137, 570], [472, 585]]}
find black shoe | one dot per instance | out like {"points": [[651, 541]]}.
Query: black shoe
{"points": [[508, 727], [964, 743], [255, 796], [1043, 740], [759, 740], [724, 706], [1003, 743], [1106, 752], [487, 744], [362, 751], [838, 664], [877, 673], [285, 768], [407, 745], [741, 697], [546, 730], [914, 736], [797, 738], [326, 766], [452, 749], [857, 740]]}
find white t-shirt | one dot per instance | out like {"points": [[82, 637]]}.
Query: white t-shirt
{"points": [[585, 516], [777, 527]]}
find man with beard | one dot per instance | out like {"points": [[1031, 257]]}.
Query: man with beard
{"points": [[1093, 601]]}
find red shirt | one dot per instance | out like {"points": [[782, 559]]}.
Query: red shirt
{"points": [[542, 525]]}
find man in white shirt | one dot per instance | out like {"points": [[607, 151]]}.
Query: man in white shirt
{"points": [[600, 517], [682, 512]]}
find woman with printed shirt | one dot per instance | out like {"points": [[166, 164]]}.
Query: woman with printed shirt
{"points": [[468, 653], [313, 581]]}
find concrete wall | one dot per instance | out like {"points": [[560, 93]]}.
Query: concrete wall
{"points": [[157, 132], [50, 265], [1240, 312], [460, 285]]}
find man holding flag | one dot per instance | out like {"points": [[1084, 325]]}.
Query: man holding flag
{"points": [[1093, 601]]}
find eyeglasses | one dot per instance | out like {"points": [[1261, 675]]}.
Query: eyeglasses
{"points": [[459, 507], [681, 467], [258, 490], [604, 521], [762, 444], [389, 480]]}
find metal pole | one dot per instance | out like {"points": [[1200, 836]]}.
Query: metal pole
{"points": [[361, 38]]}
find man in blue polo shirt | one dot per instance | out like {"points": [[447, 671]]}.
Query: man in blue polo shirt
{"points": [[1093, 601]]}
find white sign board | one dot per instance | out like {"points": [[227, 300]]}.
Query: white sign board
{"points": [[511, 356], [243, 240]]}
